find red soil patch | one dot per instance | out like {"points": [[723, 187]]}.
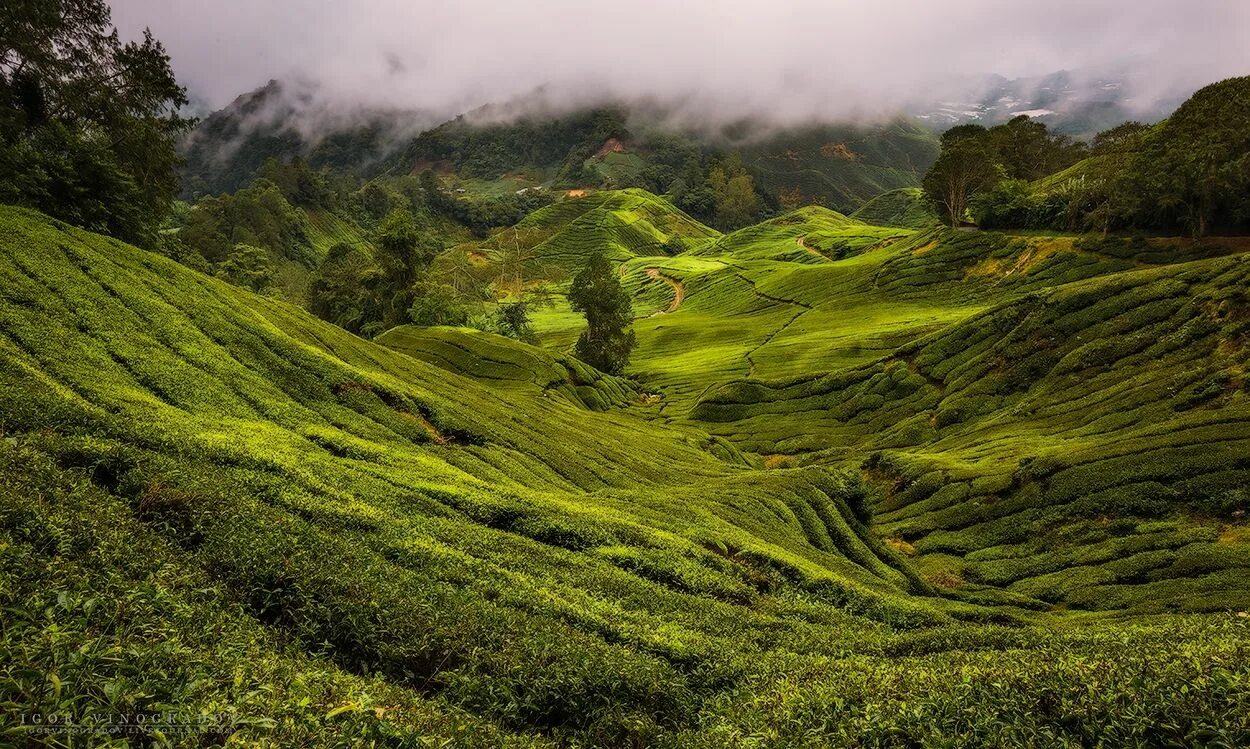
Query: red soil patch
{"points": [[611, 145]]}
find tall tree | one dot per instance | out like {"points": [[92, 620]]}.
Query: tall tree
{"points": [[1114, 195], [609, 337], [966, 166], [342, 290], [87, 123]]}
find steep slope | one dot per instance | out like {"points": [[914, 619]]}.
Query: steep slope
{"points": [[285, 120], [842, 166]]}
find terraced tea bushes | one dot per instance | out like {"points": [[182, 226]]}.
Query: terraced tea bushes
{"points": [[212, 501]]}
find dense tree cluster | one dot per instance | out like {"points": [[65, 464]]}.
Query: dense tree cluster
{"points": [[87, 122], [487, 150], [260, 216], [1189, 173], [975, 160]]}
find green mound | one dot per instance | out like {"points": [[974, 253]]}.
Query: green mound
{"points": [[495, 359], [904, 207], [621, 224], [807, 235]]}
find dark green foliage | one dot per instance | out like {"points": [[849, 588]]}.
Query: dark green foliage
{"points": [[1028, 151], [1009, 204], [967, 166], [87, 123], [737, 203], [229, 148], [1196, 168], [838, 166], [436, 303], [608, 339], [512, 319], [478, 213], [490, 150], [342, 290], [259, 215], [301, 185], [404, 251], [247, 266], [1188, 173]]}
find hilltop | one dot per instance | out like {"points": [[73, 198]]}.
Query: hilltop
{"points": [[621, 224]]}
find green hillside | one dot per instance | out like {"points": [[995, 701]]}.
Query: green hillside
{"points": [[621, 224], [807, 235], [504, 362], [903, 207], [842, 166], [1070, 410], [1081, 444], [214, 502]]}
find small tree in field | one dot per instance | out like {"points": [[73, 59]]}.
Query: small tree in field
{"points": [[609, 336]]}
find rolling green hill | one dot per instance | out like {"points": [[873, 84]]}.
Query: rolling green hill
{"points": [[904, 207], [1078, 400], [923, 489], [807, 235], [505, 362], [620, 223]]}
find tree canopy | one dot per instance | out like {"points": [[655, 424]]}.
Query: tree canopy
{"points": [[87, 122], [1189, 173], [966, 166], [609, 337]]}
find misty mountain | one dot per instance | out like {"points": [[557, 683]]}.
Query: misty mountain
{"points": [[602, 145], [288, 119], [1076, 104]]}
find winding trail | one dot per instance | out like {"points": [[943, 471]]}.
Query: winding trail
{"points": [[679, 291], [801, 242]]}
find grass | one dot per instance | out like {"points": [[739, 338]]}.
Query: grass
{"points": [[930, 488]]}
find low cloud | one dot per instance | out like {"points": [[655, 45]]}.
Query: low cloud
{"points": [[783, 61]]}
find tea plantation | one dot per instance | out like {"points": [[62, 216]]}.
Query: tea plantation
{"points": [[861, 486]]}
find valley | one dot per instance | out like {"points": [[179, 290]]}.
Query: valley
{"points": [[666, 393]]}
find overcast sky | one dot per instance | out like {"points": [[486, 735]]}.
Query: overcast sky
{"points": [[786, 56]]}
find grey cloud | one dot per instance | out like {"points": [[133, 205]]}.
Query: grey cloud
{"points": [[781, 60]]}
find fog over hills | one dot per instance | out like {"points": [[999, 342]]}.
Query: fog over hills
{"points": [[787, 62]]}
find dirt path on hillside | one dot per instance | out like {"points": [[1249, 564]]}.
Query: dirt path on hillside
{"points": [[679, 290], [800, 241]]}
